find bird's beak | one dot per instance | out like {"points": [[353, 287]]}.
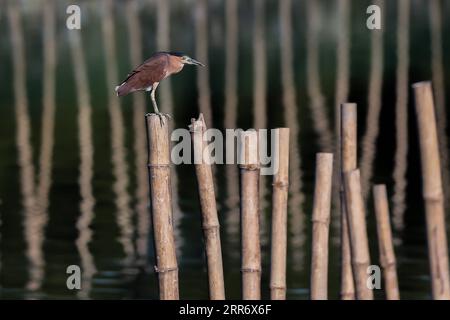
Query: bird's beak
{"points": [[194, 62]]}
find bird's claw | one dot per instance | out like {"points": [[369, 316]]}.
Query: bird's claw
{"points": [[162, 116]]}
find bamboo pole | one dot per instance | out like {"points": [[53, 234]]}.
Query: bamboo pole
{"points": [[385, 244], [321, 223], [251, 250], [356, 218], [210, 220], [348, 150], [279, 218], [160, 192], [432, 190]]}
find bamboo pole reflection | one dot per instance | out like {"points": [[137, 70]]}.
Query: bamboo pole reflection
{"points": [[32, 221], [341, 96], [86, 164], [119, 164], [230, 112], [437, 65], [140, 162], [401, 115], [317, 100], [259, 98], [291, 120], [201, 52], [374, 103], [163, 44]]}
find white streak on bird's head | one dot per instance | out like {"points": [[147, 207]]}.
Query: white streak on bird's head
{"points": [[188, 60]]}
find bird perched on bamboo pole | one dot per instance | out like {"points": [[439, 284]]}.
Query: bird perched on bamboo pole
{"points": [[149, 74]]}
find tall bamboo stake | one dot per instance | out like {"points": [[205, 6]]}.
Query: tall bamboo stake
{"points": [[432, 190], [385, 244], [251, 250], [356, 218], [348, 152], [160, 192], [437, 64], [279, 218], [210, 221], [321, 223]]}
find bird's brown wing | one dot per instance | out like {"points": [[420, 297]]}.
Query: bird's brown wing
{"points": [[144, 76]]}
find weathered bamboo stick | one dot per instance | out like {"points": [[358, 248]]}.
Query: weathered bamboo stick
{"points": [[348, 151], [321, 223], [432, 190], [251, 250], [160, 192], [210, 220], [385, 244], [356, 218], [279, 218]]}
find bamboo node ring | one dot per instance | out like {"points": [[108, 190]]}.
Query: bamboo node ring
{"points": [[326, 222], [280, 184], [250, 270], [152, 165], [277, 287], [165, 270], [210, 226], [249, 167]]}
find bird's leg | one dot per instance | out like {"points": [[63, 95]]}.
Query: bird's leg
{"points": [[155, 105]]}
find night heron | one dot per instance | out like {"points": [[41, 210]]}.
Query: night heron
{"points": [[149, 74]]}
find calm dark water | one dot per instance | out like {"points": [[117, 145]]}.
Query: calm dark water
{"points": [[114, 247]]}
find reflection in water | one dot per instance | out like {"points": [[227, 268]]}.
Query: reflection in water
{"points": [[259, 100], [86, 164], [341, 96], [32, 219], [291, 120], [437, 66], [374, 104], [201, 52], [140, 162], [401, 116], [230, 113], [163, 44], [317, 100], [117, 134]]}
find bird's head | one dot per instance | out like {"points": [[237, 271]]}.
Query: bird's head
{"points": [[188, 60]]}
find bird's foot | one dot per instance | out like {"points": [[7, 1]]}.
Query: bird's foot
{"points": [[162, 117]]}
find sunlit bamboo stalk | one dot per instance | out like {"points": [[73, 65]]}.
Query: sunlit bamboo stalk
{"points": [[160, 192], [86, 167], [290, 111], [321, 224], [348, 152], [432, 191], [280, 184], [120, 167], [142, 188], [31, 220], [317, 100], [385, 243], [249, 192], [201, 52], [357, 228], [374, 107], [210, 220], [401, 115], [437, 65]]}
